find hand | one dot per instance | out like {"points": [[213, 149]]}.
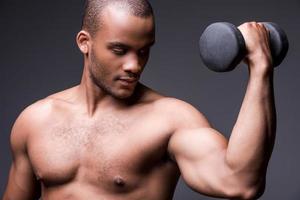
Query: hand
{"points": [[258, 57]]}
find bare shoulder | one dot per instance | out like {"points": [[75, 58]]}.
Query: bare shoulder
{"points": [[181, 114], [44, 108], [26, 122], [34, 113], [69, 95], [190, 128], [40, 113]]}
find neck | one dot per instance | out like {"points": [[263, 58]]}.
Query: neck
{"points": [[95, 97]]}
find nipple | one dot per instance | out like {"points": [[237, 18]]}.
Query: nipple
{"points": [[119, 181]]}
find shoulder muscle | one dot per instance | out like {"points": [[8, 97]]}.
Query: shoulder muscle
{"points": [[25, 123], [182, 114]]}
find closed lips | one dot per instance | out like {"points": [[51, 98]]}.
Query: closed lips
{"points": [[128, 79]]}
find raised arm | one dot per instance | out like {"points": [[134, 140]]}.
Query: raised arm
{"points": [[237, 168], [22, 183]]}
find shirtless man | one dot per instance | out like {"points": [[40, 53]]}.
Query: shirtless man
{"points": [[113, 138]]}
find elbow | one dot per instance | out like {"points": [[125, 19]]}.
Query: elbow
{"points": [[246, 185], [247, 193], [253, 193]]}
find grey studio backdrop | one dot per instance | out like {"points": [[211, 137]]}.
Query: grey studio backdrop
{"points": [[38, 56]]}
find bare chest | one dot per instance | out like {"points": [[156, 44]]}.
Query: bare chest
{"points": [[108, 152]]}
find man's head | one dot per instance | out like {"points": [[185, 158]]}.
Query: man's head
{"points": [[91, 20], [115, 39]]}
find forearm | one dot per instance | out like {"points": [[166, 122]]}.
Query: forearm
{"points": [[252, 138]]}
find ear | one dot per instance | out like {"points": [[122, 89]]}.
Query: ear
{"points": [[83, 39]]}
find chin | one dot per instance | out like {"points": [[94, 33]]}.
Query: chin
{"points": [[124, 94]]}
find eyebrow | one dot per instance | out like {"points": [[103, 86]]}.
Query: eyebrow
{"points": [[118, 44], [125, 46]]}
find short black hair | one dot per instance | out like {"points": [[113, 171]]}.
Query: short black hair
{"points": [[91, 19]]}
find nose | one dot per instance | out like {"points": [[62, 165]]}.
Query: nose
{"points": [[132, 65]]}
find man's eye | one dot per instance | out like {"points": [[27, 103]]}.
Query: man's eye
{"points": [[119, 52]]}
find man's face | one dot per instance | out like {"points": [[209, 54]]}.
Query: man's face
{"points": [[120, 50]]}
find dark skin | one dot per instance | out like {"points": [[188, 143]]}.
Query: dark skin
{"points": [[113, 138]]}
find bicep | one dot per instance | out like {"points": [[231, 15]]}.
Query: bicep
{"points": [[22, 183], [200, 155]]}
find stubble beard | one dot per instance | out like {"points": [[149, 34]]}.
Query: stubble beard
{"points": [[99, 82]]}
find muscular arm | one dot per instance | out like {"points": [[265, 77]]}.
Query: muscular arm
{"points": [[237, 168], [21, 184]]}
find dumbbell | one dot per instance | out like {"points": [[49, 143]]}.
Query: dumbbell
{"points": [[222, 46]]}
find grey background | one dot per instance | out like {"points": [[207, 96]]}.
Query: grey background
{"points": [[38, 56]]}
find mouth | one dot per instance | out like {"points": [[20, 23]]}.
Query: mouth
{"points": [[127, 81]]}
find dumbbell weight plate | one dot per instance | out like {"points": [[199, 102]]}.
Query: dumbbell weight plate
{"points": [[222, 46], [279, 44]]}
